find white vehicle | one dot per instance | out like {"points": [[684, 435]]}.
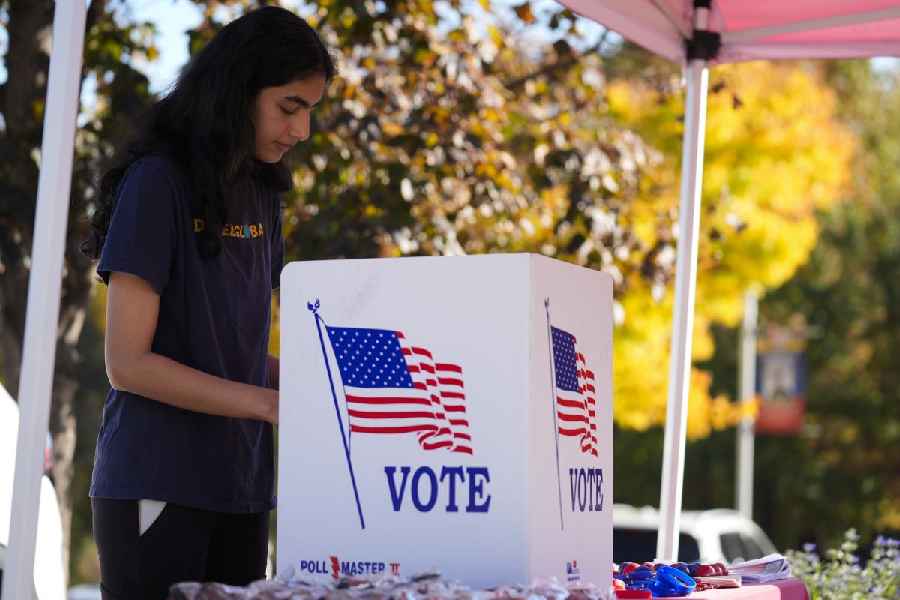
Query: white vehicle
{"points": [[85, 591], [49, 573], [718, 535]]}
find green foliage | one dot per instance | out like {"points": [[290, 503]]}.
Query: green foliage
{"points": [[443, 135], [443, 139], [849, 293], [112, 46], [844, 465], [841, 577]]}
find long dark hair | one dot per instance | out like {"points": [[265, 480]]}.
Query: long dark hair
{"points": [[204, 122]]}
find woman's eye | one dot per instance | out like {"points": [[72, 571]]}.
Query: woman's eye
{"points": [[286, 111]]}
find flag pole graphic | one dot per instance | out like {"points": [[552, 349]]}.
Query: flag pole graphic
{"points": [[553, 407], [314, 308]]}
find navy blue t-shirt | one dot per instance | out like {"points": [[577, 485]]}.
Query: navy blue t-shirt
{"points": [[213, 316]]}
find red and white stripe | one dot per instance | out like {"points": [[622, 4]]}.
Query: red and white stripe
{"points": [[576, 411], [588, 384], [388, 410], [420, 363], [453, 397], [434, 408]]}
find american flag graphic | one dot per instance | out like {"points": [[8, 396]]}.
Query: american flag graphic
{"points": [[576, 393], [392, 387]]}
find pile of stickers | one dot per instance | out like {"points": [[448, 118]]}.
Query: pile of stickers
{"points": [[426, 586]]}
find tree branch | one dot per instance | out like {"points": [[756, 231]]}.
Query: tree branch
{"points": [[94, 10], [23, 61], [564, 63]]}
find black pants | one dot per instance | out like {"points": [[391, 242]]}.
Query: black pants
{"points": [[183, 544]]}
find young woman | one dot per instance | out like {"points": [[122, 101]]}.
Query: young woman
{"points": [[188, 234]]}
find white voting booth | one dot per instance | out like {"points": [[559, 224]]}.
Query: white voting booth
{"points": [[450, 413]]}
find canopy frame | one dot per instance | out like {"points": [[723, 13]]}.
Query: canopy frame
{"points": [[697, 83], [760, 33]]}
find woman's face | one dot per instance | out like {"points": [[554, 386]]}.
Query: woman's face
{"points": [[281, 116]]}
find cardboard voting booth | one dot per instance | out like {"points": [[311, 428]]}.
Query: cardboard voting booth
{"points": [[449, 413]]}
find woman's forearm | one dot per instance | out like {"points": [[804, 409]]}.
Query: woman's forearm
{"points": [[155, 376]]}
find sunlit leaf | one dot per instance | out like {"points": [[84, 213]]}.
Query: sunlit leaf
{"points": [[523, 11]]}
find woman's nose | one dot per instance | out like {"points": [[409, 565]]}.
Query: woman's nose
{"points": [[300, 126]]}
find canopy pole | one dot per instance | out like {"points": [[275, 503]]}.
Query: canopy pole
{"points": [[45, 280], [697, 82], [747, 384]]}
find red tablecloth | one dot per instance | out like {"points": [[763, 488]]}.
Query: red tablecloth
{"points": [[785, 589]]}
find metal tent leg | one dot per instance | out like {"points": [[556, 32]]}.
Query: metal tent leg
{"points": [[697, 78]]}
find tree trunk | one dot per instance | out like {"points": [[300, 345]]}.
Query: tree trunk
{"points": [[27, 65], [11, 357], [24, 62]]}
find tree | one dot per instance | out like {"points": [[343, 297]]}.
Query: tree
{"points": [[849, 294], [121, 92], [448, 136], [774, 154], [843, 472]]}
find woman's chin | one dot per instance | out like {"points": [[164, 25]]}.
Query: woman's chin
{"points": [[269, 156]]}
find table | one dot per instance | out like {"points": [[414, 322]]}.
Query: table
{"points": [[783, 589]]}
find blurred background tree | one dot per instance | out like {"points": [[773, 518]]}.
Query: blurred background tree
{"points": [[120, 93], [470, 127], [484, 145], [774, 153], [845, 464]]}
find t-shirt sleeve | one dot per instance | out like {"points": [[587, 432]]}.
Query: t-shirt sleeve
{"points": [[277, 242], [143, 232]]}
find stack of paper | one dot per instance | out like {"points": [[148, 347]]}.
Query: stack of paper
{"points": [[761, 570]]}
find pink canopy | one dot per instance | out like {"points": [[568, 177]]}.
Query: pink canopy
{"points": [[697, 33], [756, 29]]}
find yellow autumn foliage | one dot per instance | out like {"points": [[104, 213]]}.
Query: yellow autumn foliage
{"points": [[772, 159], [774, 154]]}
